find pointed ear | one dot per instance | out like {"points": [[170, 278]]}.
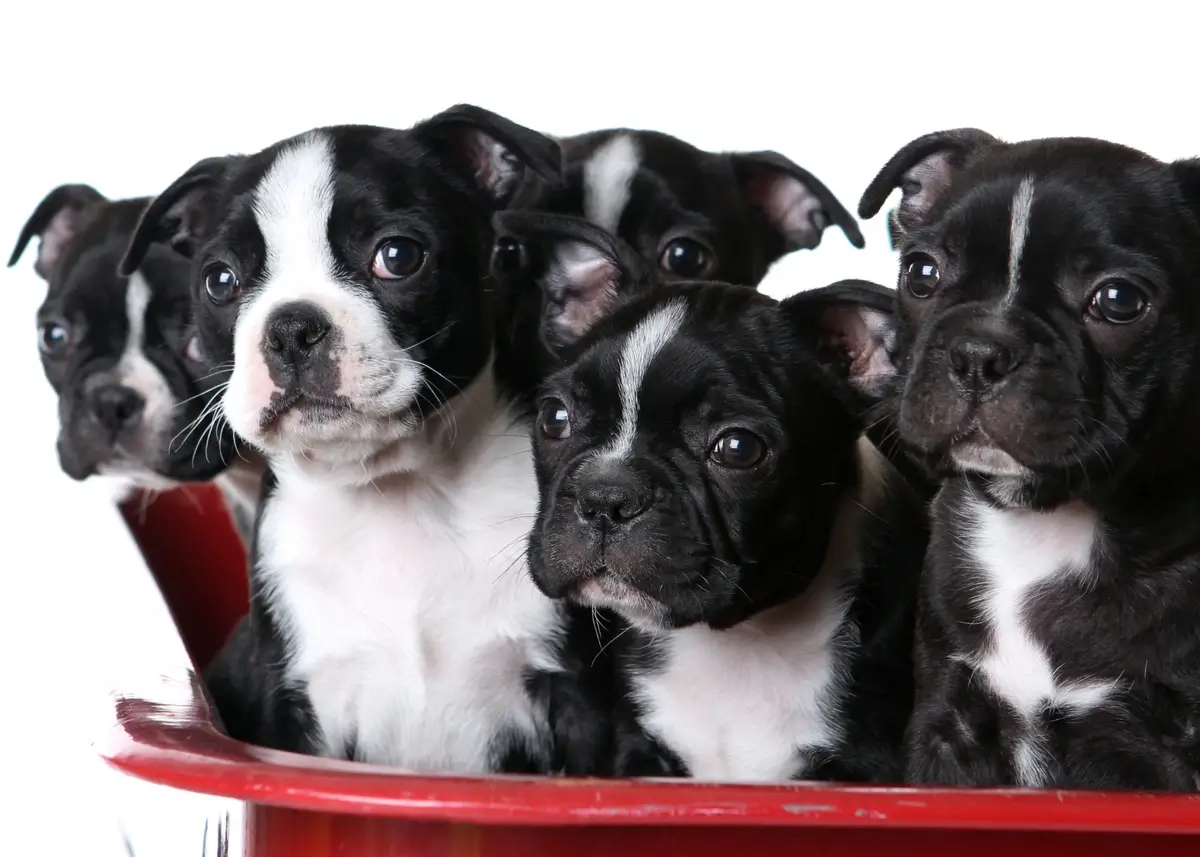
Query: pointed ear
{"points": [[55, 222], [183, 216], [580, 269], [495, 152], [798, 207], [851, 327], [924, 171]]}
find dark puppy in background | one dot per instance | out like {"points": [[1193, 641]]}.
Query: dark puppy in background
{"points": [[686, 213], [345, 273], [136, 394], [1048, 349], [703, 476]]}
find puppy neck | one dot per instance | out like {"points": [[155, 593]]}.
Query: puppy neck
{"points": [[442, 438]]}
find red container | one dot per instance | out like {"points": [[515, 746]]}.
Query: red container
{"points": [[299, 806]]}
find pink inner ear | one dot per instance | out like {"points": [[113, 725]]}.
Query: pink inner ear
{"points": [[859, 338], [54, 239], [495, 169], [932, 177], [789, 205], [586, 282]]}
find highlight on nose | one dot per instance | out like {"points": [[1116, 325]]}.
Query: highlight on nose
{"points": [[609, 500], [117, 407], [981, 361], [293, 334]]}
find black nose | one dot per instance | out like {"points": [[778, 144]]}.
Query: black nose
{"points": [[982, 361], [610, 500], [293, 333], [117, 407]]}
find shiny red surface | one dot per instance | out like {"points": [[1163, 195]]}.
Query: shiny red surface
{"points": [[163, 731]]}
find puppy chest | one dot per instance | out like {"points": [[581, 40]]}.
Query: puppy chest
{"points": [[738, 705], [413, 637]]}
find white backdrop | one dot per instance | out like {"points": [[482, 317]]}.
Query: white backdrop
{"points": [[125, 96]]}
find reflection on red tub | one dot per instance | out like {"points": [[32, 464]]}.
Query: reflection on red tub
{"points": [[164, 731]]}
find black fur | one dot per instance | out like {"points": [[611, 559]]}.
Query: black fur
{"points": [[1024, 395], [82, 236]]}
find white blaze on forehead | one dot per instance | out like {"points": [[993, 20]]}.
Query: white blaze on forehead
{"points": [[643, 345], [607, 177], [1018, 232], [292, 205], [135, 370]]}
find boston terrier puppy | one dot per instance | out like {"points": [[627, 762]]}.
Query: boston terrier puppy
{"points": [[345, 273], [136, 395], [703, 476], [1048, 357]]}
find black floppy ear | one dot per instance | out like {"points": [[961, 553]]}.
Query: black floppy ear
{"points": [[794, 201], [183, 216], [55, 222], [580, 269], [496, 152], [851, 327], [923, 170]]}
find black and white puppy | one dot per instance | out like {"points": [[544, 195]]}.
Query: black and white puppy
{"points": [[133, 384], [1049, 352], [345, 273], [703, 476]]}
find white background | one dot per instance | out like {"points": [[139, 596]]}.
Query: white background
{"points": [[126, 96]]}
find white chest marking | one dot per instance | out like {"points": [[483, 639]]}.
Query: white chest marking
{"points": [[643, 345], [607, 179], [407, 607], [1019, 551], [137, 372], [743, 704]]}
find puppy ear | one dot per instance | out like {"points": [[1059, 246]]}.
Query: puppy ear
{"points": [[494, 151], [794, 201], [183, 216], [55, 222], [580, 269], [924, 171], [851, 327], [1187, 176]]}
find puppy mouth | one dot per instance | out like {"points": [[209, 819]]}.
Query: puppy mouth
{"points": [[974, 451], [298, 401]]}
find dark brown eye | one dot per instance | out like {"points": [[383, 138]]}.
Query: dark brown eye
{"points": [[738, 450], [221, 284], [53, 338], [397, 259], [921, 274], [554, 421], [684, 257], [1118, 302]]}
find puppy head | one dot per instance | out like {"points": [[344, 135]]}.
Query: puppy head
{"points": [[691, 214], [132, 384], [1047, 315], [344, 274], [698, 439]]}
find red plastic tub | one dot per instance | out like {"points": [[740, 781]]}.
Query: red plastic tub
{"points": [[163, 731]]}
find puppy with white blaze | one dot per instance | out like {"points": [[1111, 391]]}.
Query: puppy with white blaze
{"points": [[705, 477], [345, 273], [136, 391], [1048, 370]]}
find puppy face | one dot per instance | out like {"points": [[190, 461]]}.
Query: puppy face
{"points": [[691, 214], [674, 450], [1047, 316], [132, 382], [344, 274]]}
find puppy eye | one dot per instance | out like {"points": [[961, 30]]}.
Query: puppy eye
{"points": [[193, 351], [738, 450], [554, 421], [921, 274], [684, 257], [508, 257], [398, 259], [53, 338], [1118, 302], [221, 284]]}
